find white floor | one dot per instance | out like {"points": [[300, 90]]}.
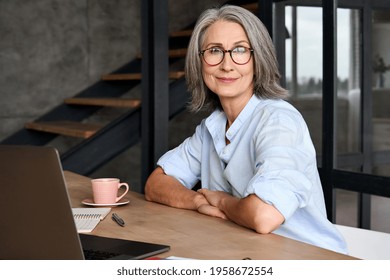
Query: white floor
{"points": [[366, 244]]}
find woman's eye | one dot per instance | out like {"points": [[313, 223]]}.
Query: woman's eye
{"points": [[215, 51], [239, 50]]}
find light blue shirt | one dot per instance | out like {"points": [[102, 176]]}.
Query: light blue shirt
{"points": [[271, 155]]}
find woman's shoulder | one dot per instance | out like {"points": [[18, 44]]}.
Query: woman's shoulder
{"points": [[277, 106], [281, 115]]}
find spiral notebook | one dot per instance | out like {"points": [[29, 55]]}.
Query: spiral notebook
{"points": [[87, 219]]}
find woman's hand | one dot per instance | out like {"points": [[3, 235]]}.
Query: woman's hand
{"points": [[214, 198], [203, 206], [250, 211]]}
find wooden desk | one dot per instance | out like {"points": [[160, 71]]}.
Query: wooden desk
{"points": [[191, 234]]}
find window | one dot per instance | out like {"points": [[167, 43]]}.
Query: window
{"points": [[357, 180]]}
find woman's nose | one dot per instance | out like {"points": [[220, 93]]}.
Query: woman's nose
{"points": [[227, 63]]}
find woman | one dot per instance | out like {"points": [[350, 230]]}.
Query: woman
{"points": [[253, 155]]}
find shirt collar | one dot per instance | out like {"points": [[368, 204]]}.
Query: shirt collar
{"points": [[242, 117], [216, 122]]}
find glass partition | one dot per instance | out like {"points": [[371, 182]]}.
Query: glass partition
{"points": [[362, 115], [381, 87]]}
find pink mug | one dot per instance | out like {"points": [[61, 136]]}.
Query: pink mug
{"points": [[105, 190]]}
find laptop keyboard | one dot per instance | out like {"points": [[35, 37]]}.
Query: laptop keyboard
{"points": [[99, 255]]}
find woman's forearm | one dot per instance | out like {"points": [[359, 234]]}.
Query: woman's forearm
{"points": [[167, 190]]}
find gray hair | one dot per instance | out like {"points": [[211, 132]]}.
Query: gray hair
{"points": [[266, 73]]}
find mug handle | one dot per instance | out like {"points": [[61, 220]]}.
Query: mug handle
{"points": [[127, 189]]}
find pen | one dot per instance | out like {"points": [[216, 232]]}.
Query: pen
{"points": [[118, 219]]}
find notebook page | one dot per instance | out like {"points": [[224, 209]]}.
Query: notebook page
{"points": [[86, 219], [86, 225]]}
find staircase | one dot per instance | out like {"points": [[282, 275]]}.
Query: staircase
{"points": [[96, 145]]}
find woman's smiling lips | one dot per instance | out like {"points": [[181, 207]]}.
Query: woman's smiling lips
{"points": [[226, 80]]}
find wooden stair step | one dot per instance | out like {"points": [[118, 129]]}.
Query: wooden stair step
{"points": [[66, 128], [107, 102], [188, 32], [175, 75], [182, 33], [173, 53], [122, 77], [251, 7]]}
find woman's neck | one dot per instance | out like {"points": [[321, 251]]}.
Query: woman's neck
{"points": [[232, 108]]}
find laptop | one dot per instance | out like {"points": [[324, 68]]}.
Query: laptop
{"points": [[36, 220]]}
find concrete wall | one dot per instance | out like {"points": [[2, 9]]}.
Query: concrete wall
{"points": [[52, 49]]}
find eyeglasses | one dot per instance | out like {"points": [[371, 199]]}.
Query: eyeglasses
{"points": [[214, 56]]}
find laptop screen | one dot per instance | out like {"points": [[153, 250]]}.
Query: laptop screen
{"points": [[37, 220]]}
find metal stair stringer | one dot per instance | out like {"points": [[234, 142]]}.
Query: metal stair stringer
{"points": [[74, 113], [118, 136]]}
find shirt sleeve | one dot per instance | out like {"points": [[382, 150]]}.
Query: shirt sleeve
{"points": [[183, 162], [285, 163]]}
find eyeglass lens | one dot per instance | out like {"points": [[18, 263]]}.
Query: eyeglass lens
{"points": [[239, 55]]}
